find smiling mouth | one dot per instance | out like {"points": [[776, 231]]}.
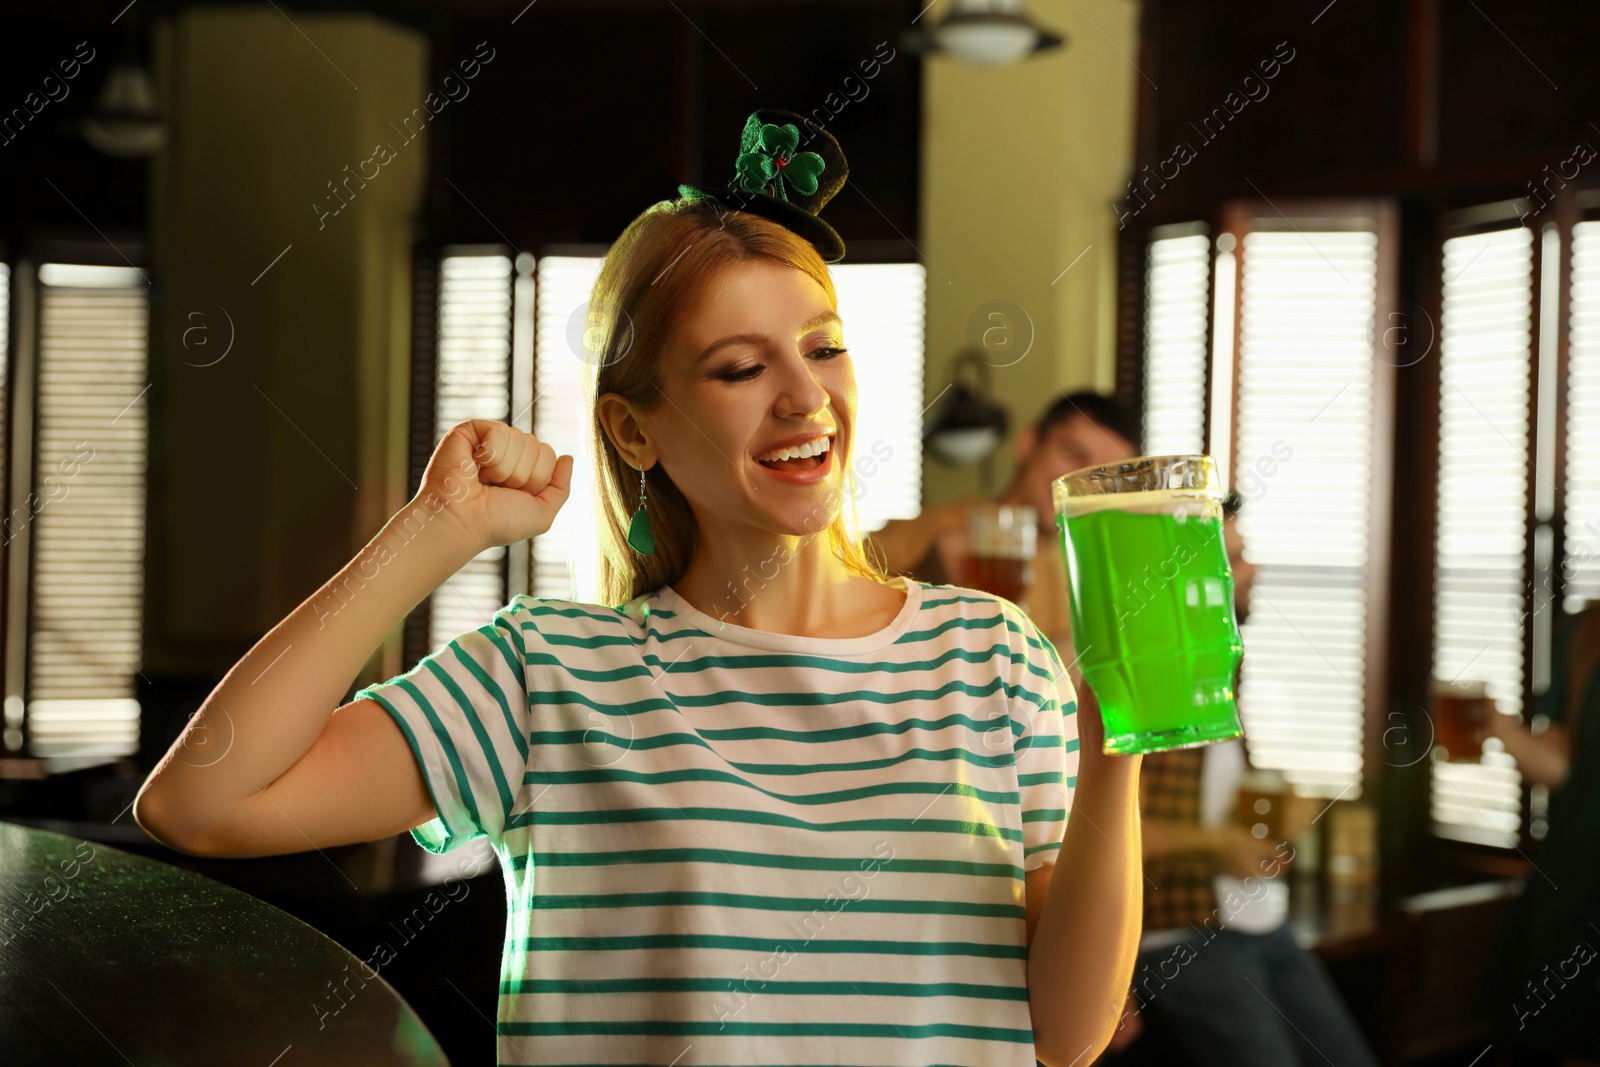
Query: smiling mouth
{"points": [[808, 456]]}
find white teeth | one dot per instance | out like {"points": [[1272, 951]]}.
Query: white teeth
{"points": [[815, 447]]}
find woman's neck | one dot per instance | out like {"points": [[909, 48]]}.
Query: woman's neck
{"points": [[786, 584]]}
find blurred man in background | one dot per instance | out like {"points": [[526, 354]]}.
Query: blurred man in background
{"points": [[1080, 430]]}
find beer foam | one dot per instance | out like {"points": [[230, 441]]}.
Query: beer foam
{"points": [[1199, 503]]}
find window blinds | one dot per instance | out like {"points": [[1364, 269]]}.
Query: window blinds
{"points": [[85, 512], [474, 382], [565, 560], [882, 306], [1581, 567], [1483, 482], [1303, 419], [1303, 423], [1177, 286]]}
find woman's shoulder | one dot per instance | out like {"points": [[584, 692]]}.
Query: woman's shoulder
{"points": [[977, 608], [573, 633], [559, 614], [960, 624], [635, 616], [963, 599]]}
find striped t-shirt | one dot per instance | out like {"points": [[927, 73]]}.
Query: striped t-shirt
{"points": [[724, 846]]}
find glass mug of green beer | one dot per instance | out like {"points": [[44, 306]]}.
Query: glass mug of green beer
{"points": [[1152, 600]]}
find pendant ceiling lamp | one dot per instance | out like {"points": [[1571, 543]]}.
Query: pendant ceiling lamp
{"points": [[984, 33], [969, 424], [126, 121]]}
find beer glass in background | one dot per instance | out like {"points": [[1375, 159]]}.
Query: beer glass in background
{"points": [[999, 551], [1461, 713], [1152, 600]]}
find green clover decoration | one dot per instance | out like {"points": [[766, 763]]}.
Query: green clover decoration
{"points": [[775, 160]]}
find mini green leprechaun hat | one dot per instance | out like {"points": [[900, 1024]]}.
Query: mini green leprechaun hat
{"points": [[776, 178]]}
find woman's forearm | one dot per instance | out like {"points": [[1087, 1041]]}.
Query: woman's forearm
{"points": [[271, 706], [1083, 949]]}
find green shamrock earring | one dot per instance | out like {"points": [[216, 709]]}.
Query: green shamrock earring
{"points": [[639, 537]]}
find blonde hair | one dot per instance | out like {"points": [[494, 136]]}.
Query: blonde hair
{"points": [[659, 266]]}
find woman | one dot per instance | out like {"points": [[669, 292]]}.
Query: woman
{"points": [[772, 807]]}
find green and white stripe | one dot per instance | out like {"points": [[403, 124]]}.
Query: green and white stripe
{"points": [[730, 847]]}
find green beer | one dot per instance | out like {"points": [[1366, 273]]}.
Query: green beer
{"points": [[1152, 600]]}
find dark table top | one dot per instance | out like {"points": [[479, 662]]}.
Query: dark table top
{"points": [[107, 957]]}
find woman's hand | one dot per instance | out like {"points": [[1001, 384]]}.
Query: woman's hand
{"points": [[1096, 766], [500, 484], [1091, 728]]}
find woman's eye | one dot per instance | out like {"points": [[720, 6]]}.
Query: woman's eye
{"points": [[745, 374]]}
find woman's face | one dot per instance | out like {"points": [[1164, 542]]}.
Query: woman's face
{"points": [[757, 367]]}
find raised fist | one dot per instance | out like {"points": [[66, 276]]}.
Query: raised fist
{"points": [[499, 484]]}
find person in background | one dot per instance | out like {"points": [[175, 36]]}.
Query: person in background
{"points": [[1217, 960], [1079, 430], [1543, 985]]}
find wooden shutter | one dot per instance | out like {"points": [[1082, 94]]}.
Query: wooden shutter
{"points": [[1132, 265], [11, 722], [418, 633]]}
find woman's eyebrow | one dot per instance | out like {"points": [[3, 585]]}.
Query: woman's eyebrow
{"points": [[823, 318]]}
